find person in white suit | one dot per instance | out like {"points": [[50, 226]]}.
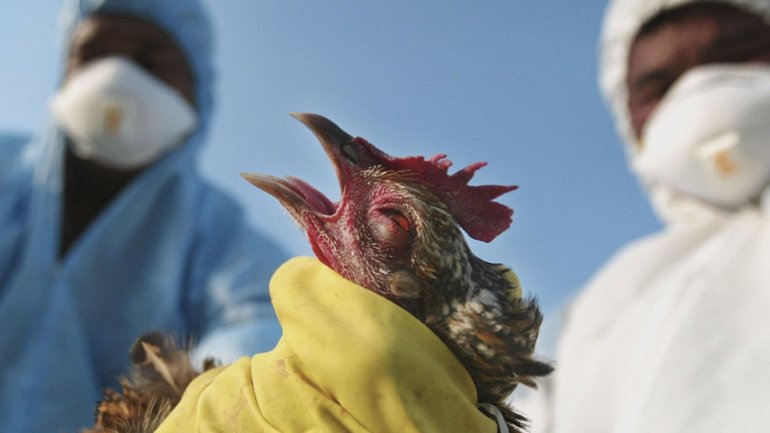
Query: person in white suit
{"points": [[673, 334]]}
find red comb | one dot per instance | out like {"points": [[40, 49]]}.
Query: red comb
{"points": [[472, 206]]}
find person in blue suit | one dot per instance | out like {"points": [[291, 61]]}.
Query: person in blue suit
{"points": [[107, 229]]}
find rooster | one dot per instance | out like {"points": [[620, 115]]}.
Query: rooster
{"points": [[396, 230]]}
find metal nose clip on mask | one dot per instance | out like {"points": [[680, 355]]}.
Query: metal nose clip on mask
{"points": [[710, 135], [120, 115]]}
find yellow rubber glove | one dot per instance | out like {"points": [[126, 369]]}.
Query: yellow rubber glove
{"points": [[349, 361]]}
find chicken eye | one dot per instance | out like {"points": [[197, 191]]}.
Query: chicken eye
{"points": [[391, 228], [399, 219]]}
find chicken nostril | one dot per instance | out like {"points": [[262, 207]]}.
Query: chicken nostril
{"points": [[351, 151]]}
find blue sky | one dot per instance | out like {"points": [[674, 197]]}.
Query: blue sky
{"points": [[512, 83]]}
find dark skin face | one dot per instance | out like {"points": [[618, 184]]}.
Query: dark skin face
{"points": [[90, 186], [688, 37], [144, 42]]}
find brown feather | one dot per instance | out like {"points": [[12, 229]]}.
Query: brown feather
{"points": [[159, 375]]}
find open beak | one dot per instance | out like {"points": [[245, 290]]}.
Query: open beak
{"points": [[298, 196]]}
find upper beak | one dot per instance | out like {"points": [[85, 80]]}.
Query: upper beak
{"points": [[331, 136], [340, 146], [295, 194]]}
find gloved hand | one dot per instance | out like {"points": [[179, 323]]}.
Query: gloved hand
{"points": [[349, 361]]}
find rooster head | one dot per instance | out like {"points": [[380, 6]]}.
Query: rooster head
{"points": [[390, 210]]}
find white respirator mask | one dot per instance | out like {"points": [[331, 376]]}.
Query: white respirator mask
{"points": [[710, 135], [118, 114]]}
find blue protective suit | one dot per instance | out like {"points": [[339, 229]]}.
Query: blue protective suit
{"points": [[170, 251]]}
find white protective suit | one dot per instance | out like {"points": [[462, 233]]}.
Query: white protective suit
{"points": [[673, 334]]}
